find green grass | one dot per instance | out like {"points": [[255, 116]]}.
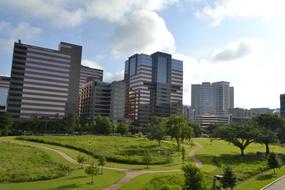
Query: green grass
{"points": [[76, 179], [126, 150], [21, 163]]}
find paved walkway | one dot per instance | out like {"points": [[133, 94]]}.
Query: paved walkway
{"points": [[130, 173], [278, 185]]}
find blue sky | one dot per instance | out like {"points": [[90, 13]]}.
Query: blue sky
{"points": [[240, 41]]}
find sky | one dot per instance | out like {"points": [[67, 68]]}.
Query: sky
{"points": [[239, 41]]}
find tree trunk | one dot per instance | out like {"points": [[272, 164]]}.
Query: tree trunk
{"points": [[92, 180], [178, 145], [102, 169], [267, 148], [158, 142], [242, 152]]}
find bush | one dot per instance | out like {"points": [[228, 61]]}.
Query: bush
{"points": [[168, 182]]}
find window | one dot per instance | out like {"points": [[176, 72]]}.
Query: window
{"points": [[162, 70], [133, 66]]}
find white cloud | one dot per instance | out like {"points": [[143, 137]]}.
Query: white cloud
{"points": [[11, 33], [142, 31], [257, 77], [91, 64], [260, 9], [69, 13], [109, 77]]}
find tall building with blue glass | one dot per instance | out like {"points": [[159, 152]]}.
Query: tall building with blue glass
{"points": [[154, 86]]}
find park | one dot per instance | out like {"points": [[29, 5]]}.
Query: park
{"points": [[151, 161]]}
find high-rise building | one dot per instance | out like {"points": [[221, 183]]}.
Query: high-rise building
{"points": [[87, 72], [4, 88], [154, 87], [212, 99], [95, 99], [44, 82], [118, 101], [282, 105], [189, 113]]}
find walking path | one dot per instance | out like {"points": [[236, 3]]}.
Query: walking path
{"points": [[130, 173], [276, 185]]}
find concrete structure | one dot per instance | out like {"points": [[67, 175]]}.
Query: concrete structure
{"points": [[4, 88], [282, 104], [87, 72], [212, 99], [189, 113], [240, 114], [154, 87], [118, 101], [207, 120], [95, 99], [44, 82], [258, 111]]}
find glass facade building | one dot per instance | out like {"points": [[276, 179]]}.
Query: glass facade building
{"points": [[282, 105], [154, 85], [4, 88]]}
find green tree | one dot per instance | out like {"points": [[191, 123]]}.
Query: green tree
{"points": [[147, 158], [6, 124], [157, 128], [193, 178], [81, 159], [102, 162], [269, 125], [273, 162], [183, 154], [176, 125], [103, 125], [123, 128], [92, 170], [70, 122], [229, 178], [240, 135]]}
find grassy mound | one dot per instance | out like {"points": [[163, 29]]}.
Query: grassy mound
{"points": [[20, 163], [127, 150]]}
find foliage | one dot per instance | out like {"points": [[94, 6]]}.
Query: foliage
{"points": [[157, 128], [240, 135], [269, 125], [273, 162], [123, 128], [183, 154], [197, 130], [167, 182], [229, 178], [20, 163], [127, 150], [103, 125], [193, 178], [178, 128], [6, 124], [147, 158], [92, 170], [102, 162], [81, 159]]}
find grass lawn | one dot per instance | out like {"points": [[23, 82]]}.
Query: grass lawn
{"points": [[121, 150], [21, 163], [76, 179]]}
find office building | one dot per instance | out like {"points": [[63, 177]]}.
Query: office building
{"points": [[4, 88], [154, 87], [207, 120], [118, 101], [44, 82], [87, 72], [239, 115], [95, 99], [189, 113], [212, 99]]}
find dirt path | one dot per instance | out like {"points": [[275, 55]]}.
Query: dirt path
{"points": [[191, 155], [130, 173]]}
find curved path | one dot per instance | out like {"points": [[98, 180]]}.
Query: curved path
{"points": [[130, 173]]}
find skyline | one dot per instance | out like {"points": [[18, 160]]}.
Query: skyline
{"points": [[225, 44]]}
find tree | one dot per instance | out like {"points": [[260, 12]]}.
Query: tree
{"points": [[193, 178], [269, 125], [147, 158], [187, 133], [92, 170], [70, 122], [81, 159], [103, 125], [240, 135], [175, 127], [6, 124], [183, 154], [157, 128], [102, 162], [273, 162], [123, 128], [229, 178]]}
